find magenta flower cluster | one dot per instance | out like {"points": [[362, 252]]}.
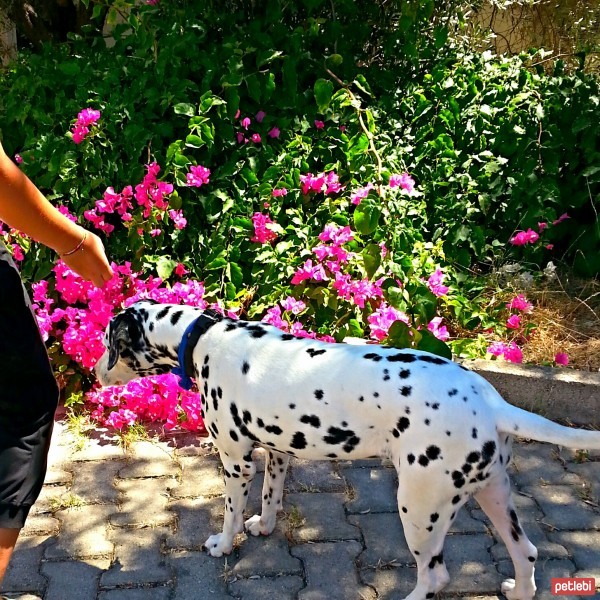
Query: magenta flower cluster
{"points": [[85, 119]]}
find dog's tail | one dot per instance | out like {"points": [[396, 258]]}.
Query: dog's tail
{"points": [[516, 421]]}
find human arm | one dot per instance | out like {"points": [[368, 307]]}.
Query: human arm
{"points": [[24, 207]]}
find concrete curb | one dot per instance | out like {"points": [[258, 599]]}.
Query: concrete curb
{"points": [[558, 394]]}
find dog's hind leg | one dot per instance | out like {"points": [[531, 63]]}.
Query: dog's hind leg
{"points": [[426, 518], [496, 502], [276, 465], [239, 473]]}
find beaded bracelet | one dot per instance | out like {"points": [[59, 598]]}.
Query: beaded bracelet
{"points": [[77, 248]]}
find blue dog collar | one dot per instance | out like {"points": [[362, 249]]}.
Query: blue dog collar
{"points": [[185, 370]]}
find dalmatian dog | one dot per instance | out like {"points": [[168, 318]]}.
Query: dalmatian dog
{"points": [[447, 431]]}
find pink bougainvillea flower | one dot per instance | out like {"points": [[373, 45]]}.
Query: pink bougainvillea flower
{"points": [[309, 271], [519, 302], [180, 270], [513, 322], [561, 359], [18, 159], [560, 219], [274, 132], [524, 237], [246, 123], [549, 246], [85, 118], [541, 226], [240, 137], [292, 305], [336, 234], [260, 115], [439, 331], [319, 124], [256, 138], [178, 219], [273, 317], [434, 283], [383, 318], [384, 250], [280, 192], [263, 233], [510, 352], [360, 194], [404, 181], [197, 176]]}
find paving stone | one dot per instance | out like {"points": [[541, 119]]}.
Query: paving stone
{"points": [[384, 540], [564, 508], [142, 503], [583, 548], [545, 570], [22, 574], [535, 463], [283, 587], [330, 571], [198, 575], [98, 449], [470, 519], [41, 525], [265, 556], [373, 490], [82, 533], [197, 519], [391, 583], [590, 473], [324, 517], [93, 481], [49, 495], [366, 463], [200, 476], [58, 477], [80, 577], [150, 459], [154, 593], [469, 564], [137, 558], [314, 476]]}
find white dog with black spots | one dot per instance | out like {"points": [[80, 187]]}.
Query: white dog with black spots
{"points": [[446, 430]]}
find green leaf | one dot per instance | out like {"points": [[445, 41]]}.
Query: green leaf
{"points": [[194, 141], [429, 343], [184, 108], [399, 335], [323, 92], [165, 267], [366, 216], [371, 259]]}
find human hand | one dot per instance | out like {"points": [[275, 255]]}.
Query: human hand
{"points": [[90, 261]]}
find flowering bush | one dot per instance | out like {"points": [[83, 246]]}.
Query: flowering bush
{"points": [[261, 180]]}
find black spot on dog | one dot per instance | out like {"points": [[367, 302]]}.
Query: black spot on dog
{"points": [[245, 368], [361, 399], [406, 390], [411, 459], [433, 452], [311, 420], [531, 558], [404, 374], [256, 331], [176, 316], [319, 394], [473, 457], [298, 441], [466, 468], [260, 422], [351, 444], [233, 435], [286, 337], [373, 356], [402, 357], [247, 417], [435, 405], [434, 360], [474, 433], [458, 478], [488, 450], [516, 530], [439, 559], [453, 392], [456, 500], [161, 314], [314, 352], [386, 375], [274, 429], [403, 424], [423, 460], [292, 406]]}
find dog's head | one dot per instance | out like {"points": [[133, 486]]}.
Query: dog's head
{"points": [[132, 346]]}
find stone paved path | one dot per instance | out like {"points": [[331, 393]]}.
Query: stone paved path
{"points": [[115, 525]]}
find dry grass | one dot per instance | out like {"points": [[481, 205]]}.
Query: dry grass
{"points": [[567, 319]]}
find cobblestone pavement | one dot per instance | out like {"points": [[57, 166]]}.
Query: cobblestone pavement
{"points": [[115, 525]]}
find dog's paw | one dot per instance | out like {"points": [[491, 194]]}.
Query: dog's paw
{"points": [[217, 545], [256, 526], [509, 589]]}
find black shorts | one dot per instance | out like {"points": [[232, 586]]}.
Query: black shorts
{"points": [[28, 400]]}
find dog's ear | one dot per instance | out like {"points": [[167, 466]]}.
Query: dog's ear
{"points": [[123, 332]]}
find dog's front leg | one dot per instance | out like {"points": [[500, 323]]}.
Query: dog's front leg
{"points": [[272, 493], [238, 477]]}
